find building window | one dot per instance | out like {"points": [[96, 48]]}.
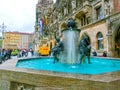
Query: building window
{"points": [[79, 3], [99, 14], [69, 7], [82, 22], [84, 17], [107, 7], [100, 40], [88, 20]]}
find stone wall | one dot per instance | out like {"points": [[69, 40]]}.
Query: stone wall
{"points": [[24, 79]]}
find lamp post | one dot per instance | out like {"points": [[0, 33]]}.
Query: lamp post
{"points": [[2, 29]]}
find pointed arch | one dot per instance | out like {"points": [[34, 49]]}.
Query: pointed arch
{"points": [[117, 34], [116, 38]]}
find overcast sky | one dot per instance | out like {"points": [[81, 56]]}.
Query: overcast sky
{"points": [[18, 15]]}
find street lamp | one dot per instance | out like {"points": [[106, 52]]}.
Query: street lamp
{"points": [[2, 29]]}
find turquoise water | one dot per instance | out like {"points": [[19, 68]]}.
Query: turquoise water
{"points": [[98, 66]]}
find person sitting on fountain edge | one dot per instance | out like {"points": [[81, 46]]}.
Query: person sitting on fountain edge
{"points": [[56, 50]]}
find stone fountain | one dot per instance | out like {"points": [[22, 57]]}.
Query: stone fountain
{"points": [[70, 39], [14, 78], [71, 49], [67, 51]]}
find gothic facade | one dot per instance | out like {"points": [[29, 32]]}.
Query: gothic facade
{"points": [[97, 18]]}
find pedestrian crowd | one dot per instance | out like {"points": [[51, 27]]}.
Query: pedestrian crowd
{"points": [[6, 54], [25, 52]]}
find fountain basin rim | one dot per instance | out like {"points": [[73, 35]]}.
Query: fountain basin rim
{"points": [[9, 73], [101, 77]]}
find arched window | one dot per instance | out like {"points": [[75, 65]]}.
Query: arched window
{"points": [[117, 35], [117, 38], [100, 40]]}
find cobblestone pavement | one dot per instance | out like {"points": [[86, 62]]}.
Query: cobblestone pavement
{"points": [[11, 61]]}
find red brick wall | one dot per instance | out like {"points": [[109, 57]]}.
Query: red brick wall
{"points": [[116, 5]]}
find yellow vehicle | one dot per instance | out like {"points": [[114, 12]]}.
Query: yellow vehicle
{"points": [[44, 50]]}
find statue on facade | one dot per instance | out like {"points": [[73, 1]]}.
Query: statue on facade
{"points": [[85, 49], [57, 49]]}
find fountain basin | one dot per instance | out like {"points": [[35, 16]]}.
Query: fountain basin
{"points": [[98, 66], [12, 78]]}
